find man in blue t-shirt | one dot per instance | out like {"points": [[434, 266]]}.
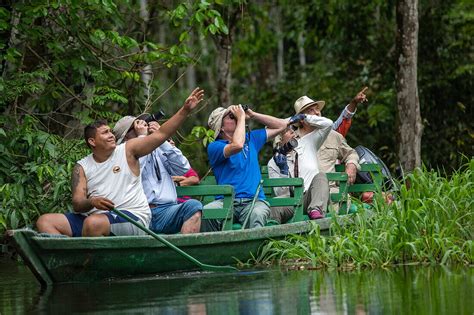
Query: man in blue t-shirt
{"points": [[234, 161]]}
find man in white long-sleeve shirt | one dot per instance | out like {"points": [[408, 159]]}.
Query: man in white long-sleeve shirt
{"points": [[311, 132], [333, 148]]}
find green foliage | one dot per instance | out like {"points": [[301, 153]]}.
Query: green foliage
{"points": [[349, 45], [205, 135], [194, 147], [70, 62], [72, 55], [35, 169], [78, 59], [432, 221], [202, 15]]}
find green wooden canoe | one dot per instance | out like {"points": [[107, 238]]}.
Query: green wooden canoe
{"points": [[92, 259], [89, 259]]}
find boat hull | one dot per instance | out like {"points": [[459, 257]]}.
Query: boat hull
{"points": [[91, 259]]}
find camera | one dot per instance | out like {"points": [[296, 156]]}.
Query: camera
{"points": [[287, 147], [155, 117]]}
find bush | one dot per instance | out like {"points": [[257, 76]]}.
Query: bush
{"points": [[35, 169]]}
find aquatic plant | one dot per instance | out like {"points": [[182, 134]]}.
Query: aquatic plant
{"points": [[431, 222]]}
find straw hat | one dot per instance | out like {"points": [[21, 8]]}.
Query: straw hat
{"points": [[304, 102]]}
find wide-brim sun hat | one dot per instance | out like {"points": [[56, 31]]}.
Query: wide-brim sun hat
{"points": [[123, 126], [304, 102], [215, 119]]}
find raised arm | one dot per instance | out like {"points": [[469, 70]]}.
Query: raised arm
{"points": [[142, 146], [175, 163], [359, 98], [238, 138], [318, 121], [323, 125], [275, 125]]}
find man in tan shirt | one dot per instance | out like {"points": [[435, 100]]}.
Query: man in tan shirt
{"points": [[335, 149]]}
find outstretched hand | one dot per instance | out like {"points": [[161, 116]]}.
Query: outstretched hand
{"points": [[361, 97], [194, 98]]}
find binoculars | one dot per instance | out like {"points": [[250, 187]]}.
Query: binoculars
{"points": [[154, 117]]}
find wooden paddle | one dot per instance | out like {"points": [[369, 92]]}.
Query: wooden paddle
{"points": [[176, 249]]}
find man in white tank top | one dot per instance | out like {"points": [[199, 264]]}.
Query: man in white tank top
{"points": [[110, 178]]}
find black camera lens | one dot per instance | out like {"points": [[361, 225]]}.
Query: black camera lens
{"points": [[287, 147], [155, 117]]}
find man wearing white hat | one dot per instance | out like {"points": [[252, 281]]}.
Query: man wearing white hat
{"points": [[110, 178], [311, 132], [332, 149], [234, 160]]}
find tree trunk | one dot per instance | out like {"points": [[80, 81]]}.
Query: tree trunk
{"points": [[224, 57], [281, 49], [302, 53], [10, 67], [206, 56], [147, 72], [191, 81], [13, 42], [410, 127], [164, 74]]}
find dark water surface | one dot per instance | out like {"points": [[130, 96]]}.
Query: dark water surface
{"points": [[403, 290]]}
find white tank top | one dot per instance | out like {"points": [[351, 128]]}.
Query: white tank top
{"points": [[114, 180]]}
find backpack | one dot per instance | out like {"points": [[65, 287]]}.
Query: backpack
{"points": [[367, 156]]}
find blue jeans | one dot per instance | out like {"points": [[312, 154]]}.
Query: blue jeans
{"points": [[169, 218]]}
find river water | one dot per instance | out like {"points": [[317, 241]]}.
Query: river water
{"points": [[401, 290]]}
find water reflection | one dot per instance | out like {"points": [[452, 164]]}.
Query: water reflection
{"points": [[421, 290], [410, 290], [190, 294]]}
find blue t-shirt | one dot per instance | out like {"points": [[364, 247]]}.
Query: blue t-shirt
{"points": [[240, 170]]}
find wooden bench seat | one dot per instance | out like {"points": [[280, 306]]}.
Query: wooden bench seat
{"points": [[201, 192], [297, 186], [295, 200], [375, 172]]}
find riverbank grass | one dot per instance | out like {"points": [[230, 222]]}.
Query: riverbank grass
{"points": [[430, 222]]}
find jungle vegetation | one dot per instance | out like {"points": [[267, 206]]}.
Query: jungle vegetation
{"points": [[65, 63]]}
